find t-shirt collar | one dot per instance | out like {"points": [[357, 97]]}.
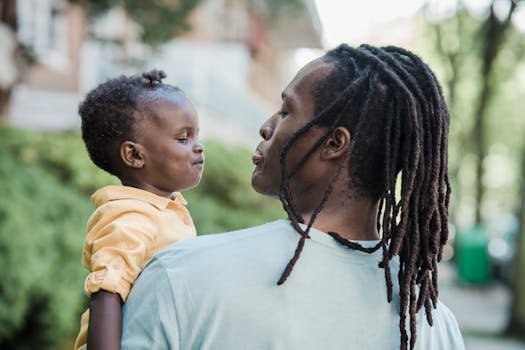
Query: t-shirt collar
{"points": [[114, 192], [324, 238]]}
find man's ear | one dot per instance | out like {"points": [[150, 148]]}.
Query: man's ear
{"points": [[132, 154], [337, 144]]}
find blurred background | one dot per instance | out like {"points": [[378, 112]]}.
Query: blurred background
{"points": [[233, 58]]}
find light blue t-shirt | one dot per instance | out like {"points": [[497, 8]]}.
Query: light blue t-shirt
{"points": [[219, 292]]}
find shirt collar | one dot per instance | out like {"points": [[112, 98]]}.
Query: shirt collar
{"points": [[113, 192], [326, 239]]}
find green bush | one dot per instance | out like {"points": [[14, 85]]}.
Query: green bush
{"points": [[46, 181], [41, 235], [62, 155]]}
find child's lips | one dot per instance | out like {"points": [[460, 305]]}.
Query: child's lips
{"points": [[199, 162]]}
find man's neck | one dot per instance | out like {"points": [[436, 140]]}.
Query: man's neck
{"points": [[353, 219]]}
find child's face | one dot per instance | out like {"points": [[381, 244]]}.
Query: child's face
{"points": [[174, 157]]}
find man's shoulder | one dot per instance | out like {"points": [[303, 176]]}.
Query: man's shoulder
{"points": [[200, 260], [222, 243], [444, 332]]}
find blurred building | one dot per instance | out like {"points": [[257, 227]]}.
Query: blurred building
{"points": [[233, 63], [53, 31]]}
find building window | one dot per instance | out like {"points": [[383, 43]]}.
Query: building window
{"points": [[42, 27]]}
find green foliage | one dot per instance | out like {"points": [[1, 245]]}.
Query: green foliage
{"points": [[45, 181], [454, 46], [160, 21], [273, 8], [41, 234], [62, 155]]}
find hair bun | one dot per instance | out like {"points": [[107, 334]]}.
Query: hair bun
{"points": [[153, 76]]}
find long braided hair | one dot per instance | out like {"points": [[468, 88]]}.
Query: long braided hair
{"points": [[393, 106]]}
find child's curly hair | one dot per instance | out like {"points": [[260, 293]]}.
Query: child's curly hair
{"points": [[110, 112]]}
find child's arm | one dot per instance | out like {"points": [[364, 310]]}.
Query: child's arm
{"points": [[105, 321], [115, 252]]}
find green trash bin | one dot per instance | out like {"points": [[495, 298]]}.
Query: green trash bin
{"points": [[472, 256]]}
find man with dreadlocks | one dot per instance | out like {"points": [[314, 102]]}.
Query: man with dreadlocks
{"points": [[357, 154]]}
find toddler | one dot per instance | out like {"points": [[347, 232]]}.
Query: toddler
{"points": [[145, 133]]}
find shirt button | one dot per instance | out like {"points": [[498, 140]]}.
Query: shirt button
{"points": [[116, 266]]}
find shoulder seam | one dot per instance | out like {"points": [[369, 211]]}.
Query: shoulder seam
{"points": [[204, 249], [181, 282]]}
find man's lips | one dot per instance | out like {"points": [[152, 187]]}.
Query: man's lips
{"points": [[257, 157], [199, 162]]}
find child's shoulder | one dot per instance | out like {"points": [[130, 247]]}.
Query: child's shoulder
{"points": [[114, 205], [126, 198], [119, 207]]}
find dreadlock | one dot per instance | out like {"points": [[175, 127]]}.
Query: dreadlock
{"points": [[110, 112], [393, 106]]}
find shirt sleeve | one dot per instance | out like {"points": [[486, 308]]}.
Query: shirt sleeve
{"points": [[116, 249], [149, 317], [445, 332]]}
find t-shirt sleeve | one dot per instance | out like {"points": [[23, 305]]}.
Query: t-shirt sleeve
{"points": [[444, 334], [116, 248], [149, 317]]}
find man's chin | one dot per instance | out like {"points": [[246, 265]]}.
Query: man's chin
{"points": [[256, 182], [260, 186]]}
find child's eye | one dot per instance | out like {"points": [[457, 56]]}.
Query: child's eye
{"points": [[182, 139]]}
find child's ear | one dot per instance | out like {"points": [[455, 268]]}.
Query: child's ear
{"points": [[132, 154], [337, 144]]}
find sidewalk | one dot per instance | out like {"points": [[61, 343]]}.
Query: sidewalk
{"points": [[482, 312]]}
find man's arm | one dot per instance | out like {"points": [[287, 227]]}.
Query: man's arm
{"points": [[105, 321]]}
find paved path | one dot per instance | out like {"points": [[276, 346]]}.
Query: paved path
{"points": [[482, 313]]}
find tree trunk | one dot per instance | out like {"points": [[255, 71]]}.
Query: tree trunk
{"points": [[480, 145], [517, 316], [5, 98], [492, 36], [8, 14], [452, 60], [8, 17]]}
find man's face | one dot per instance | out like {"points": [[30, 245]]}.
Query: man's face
{"points": [[175, 157], [296, 111]]}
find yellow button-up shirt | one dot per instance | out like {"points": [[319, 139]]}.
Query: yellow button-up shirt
{"points": [[127, 228]]}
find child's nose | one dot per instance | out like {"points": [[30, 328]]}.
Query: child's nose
{"points": [[199, 147]]}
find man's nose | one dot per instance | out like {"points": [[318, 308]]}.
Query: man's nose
{"points": [[266, 130]]}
